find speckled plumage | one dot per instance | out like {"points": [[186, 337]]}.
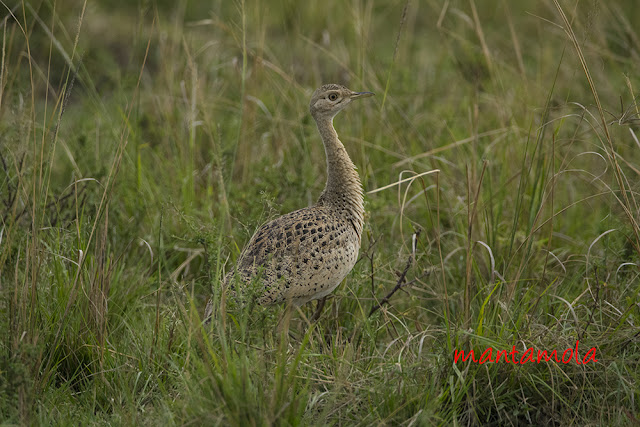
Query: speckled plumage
{"points": [[305, 254]]}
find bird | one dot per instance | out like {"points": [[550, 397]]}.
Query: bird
{"points": [[304, 255]]}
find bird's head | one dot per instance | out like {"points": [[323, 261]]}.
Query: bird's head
{"points": [[329, 100]]}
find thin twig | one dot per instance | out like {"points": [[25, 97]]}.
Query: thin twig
{"points": [[369, 255], [401, 280], [593, 308]]}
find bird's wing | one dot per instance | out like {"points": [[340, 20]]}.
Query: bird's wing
{"points": [[279, 239]]}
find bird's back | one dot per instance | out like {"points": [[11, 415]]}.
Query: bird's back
{"points": [[300, 256]]}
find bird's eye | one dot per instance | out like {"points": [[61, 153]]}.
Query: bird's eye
{"points": [[333, 96]]}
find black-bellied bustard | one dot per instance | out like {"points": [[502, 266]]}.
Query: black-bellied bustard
{"points": [[304, 255]]}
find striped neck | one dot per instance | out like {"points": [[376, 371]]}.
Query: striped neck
{"points": [[343, 189]]}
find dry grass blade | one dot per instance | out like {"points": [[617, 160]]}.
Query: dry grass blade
{"points": [[611, 152], [471, 216], [395, 53], [458, 143], [401, 181]]}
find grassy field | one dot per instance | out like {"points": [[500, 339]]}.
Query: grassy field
{"points": [[142, 143]]}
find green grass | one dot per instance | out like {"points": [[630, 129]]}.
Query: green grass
{"points": [[142, 144]]}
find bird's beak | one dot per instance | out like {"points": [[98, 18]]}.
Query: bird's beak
{"points": [[356, 95]]}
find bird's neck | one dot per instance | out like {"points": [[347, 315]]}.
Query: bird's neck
{"points": [[343, 190]]}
